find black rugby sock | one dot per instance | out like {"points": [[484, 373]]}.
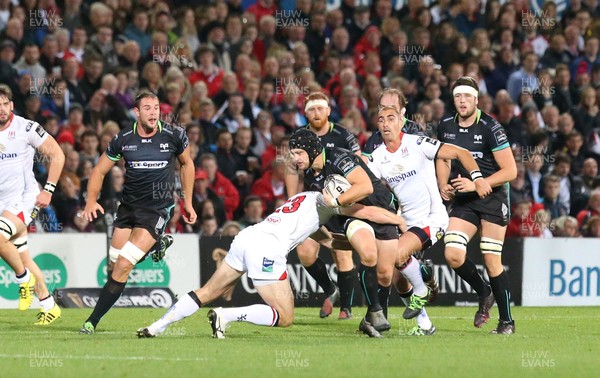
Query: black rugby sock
{"points": [[346, 284], [318, 271], [384, 297], [468, 272], [109, 295], [367, 276], [500, 287]]}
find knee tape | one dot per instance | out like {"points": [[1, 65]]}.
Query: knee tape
{"points": [[7, 228], [493, 246], [356, 225], [456, 239], [21, 243], [132, 253], [113, 254]]}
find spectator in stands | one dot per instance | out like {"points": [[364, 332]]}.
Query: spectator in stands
{"points": [[551, 198], [233, 117], [30, 62], [208, 226], [271, 186], [131, 57], [586, 115], [565, 226], [541, 220], [94, 66], [66, 199], [262, 132], [204, 196], [89, 146], [102, 45], [231, 228], [592, 209], [245, 158], [137, 30], [525, 78], [48, 57], [253, 211], [70, 72], [565, 127], [220, 184], [71, 162], [589, 175], [208, 71], [565, 94], [225, 160], [556, 53], [592, 228], [584, 63], [209, 127]]}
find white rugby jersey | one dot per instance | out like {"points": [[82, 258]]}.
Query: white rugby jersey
{"points": [[17, 148], [410, 172], [297, 219]]}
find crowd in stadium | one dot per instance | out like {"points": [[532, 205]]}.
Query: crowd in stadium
{"points": [[235, 78]]}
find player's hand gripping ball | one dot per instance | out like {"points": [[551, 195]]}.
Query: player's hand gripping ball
{"points": [[335, 185]]}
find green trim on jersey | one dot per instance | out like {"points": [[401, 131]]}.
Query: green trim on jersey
{"points": [[476, 118], [160, 127], [501, 147], [117, 158]]}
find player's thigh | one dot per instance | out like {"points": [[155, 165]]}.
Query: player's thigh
{"points": [[493, 234], [120, 237], [456, 256], [363, 242], [218, 283], [142, 238], [308, 251], [279, 296], [12, 216], [408, 243]]}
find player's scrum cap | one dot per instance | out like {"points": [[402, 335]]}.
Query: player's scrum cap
{"points": [[308, 141], [465, 84]]}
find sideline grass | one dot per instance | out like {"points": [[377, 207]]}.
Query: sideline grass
{"points": [[550, 341]]}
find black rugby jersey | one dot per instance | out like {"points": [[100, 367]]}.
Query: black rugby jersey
{"points": [[339, 136], [149, 164], [482, 139], [376, 140], [342, 162]]}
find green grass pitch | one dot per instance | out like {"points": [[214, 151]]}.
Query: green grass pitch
{"points": [[549, 342]]}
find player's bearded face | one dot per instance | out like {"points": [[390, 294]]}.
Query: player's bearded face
{"points": [[465, 104], [318, 116], [6, 109], [149, 113]]}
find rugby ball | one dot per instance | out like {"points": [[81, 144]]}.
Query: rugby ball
{"points": [[335, 185]]}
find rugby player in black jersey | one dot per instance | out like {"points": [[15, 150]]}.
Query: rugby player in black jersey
{"points": [[317, 163], [317, 112], [149, 148], [481, 134]]}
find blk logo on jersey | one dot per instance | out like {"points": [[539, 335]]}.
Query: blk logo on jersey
{"points": [[463, 130], [146, 140], [267, 265]]}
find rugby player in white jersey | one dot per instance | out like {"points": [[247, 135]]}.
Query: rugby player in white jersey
{"points": [[261, 251], [19, 195], [406, 163]]}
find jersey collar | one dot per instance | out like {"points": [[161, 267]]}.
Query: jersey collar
{"points": [[399, 144], [160, 127], [476, 118], [331, 126]]}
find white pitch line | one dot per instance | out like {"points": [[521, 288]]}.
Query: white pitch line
{"points": [[116, 358]]}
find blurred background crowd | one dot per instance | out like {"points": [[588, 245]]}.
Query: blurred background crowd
{"points": [[234, 74]]}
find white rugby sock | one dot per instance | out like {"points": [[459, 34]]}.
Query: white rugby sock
{"points": [[47, 303], [258, 314], [184, 307], [24, 278], [412, 272]]}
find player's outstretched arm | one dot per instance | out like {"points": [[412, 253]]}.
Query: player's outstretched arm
{"points": [[187, 183], [475, 183], [51, 150], [94, 185]]}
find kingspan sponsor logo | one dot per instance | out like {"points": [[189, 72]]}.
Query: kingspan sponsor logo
{"points": [[148, 164], [401, 177], [7, 156]]}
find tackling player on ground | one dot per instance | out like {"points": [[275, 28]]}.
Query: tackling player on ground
{"points": [[261, 251], [149, 149], [481, 134], [19, 195]]}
